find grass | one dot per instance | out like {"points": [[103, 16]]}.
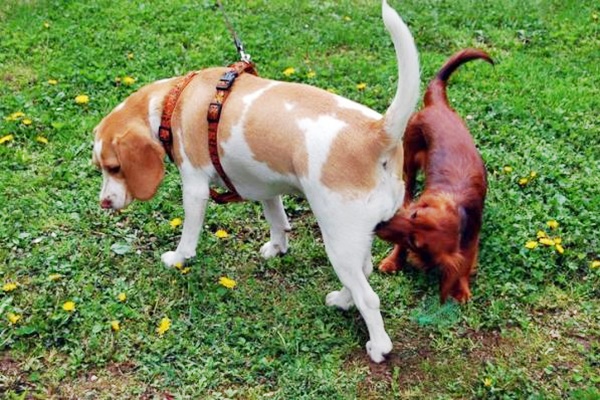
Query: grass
{"points": [[531, 330]]}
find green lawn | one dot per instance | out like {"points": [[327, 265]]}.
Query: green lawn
{"points": [[531, 330]]}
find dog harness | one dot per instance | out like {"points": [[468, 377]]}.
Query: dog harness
{"points": [[165, 132]]}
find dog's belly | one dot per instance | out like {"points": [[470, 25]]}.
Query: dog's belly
{"points": [[255, 181]]}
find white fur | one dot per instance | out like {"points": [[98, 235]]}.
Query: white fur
{"points": [[155, 113], [352, 105], [113, 190]]}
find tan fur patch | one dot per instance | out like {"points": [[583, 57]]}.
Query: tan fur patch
{"points": [[351, 167], [134, 113], [189, 117]]}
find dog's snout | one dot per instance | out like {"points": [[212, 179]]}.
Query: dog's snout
{"points": [[106, 203]]}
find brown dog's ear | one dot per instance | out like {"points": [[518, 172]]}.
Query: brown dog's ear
{"points": [[141, 160]]}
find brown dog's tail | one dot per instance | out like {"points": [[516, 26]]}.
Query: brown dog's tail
{"points": [[436, 91]]}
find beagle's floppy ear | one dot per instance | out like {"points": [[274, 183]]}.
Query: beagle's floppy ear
{"points": [[141, 160]]}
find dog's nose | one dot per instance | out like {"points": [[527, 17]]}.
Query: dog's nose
{"points": [[106, 203]]}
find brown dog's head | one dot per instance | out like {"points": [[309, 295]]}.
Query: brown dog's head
{"points": [[130, 159], [431, 228]]}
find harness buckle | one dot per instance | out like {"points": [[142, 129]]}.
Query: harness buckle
{"points": [[226, 81], [214, 112]]}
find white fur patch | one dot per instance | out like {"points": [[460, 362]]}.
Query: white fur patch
{"points": [[97, 150], [319, 133], [115, 191], [155, 113], [351, 105], [120, 106]]}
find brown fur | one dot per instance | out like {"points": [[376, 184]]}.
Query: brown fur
{"points": [[440, 228]]}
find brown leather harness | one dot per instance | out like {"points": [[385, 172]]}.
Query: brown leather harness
{"points": [[165, 132]]}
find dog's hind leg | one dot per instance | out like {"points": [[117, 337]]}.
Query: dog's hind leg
{"points": [[350, 251], [279, 226]]}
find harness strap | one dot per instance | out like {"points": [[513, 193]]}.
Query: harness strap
{"points": [[165, 133], [213, 117]]}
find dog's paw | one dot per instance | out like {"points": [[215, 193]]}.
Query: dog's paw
{"points": [[379, 350], [389, 266], [270, 250], [171, 258], [340, 299]]}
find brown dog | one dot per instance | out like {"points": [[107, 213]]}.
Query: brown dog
{"points": [[441, 228]]}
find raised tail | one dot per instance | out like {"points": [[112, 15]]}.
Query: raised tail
{"points": [[407, 94], [436, 90]]}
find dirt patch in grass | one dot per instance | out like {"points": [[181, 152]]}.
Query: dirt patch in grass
{"points": [[413, 368], [12, 377], [115, 380]]}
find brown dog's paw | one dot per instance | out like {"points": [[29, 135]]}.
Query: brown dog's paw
{"points": [[461, 291], [389, 266]]}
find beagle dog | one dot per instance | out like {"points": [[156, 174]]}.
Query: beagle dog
{"points": [[275, 138]]}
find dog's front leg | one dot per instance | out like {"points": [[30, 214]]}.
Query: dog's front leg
{"points": [[195, 199], [280, 226]]}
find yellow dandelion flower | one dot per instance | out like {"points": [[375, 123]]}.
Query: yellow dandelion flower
{"points": [[185, 271], [122, 297], [178, 265], [130, 56], [10, 286], [175, 222], [47, 25], [532, 244], [541, 234], [41, 139], [311, 74], [6, 138], [165, 325], [228, 283], [547, 241], [52, 82], [54, 277], [13, 318], [82, 99], [523, 181], [533, 174], [347, 18], [508, 169], [595, 264], [361, 86], [553, 224], [128, 81], [69, 306], [27, 121], [558, 240], [221, 234], [487, 382], [115, 325], [559, 248], [289, 71], [15, 116]]}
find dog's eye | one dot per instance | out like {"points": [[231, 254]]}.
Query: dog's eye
{"points": [[113, 170]]}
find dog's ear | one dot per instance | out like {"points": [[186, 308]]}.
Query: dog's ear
{"points": [[141, 160]]}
